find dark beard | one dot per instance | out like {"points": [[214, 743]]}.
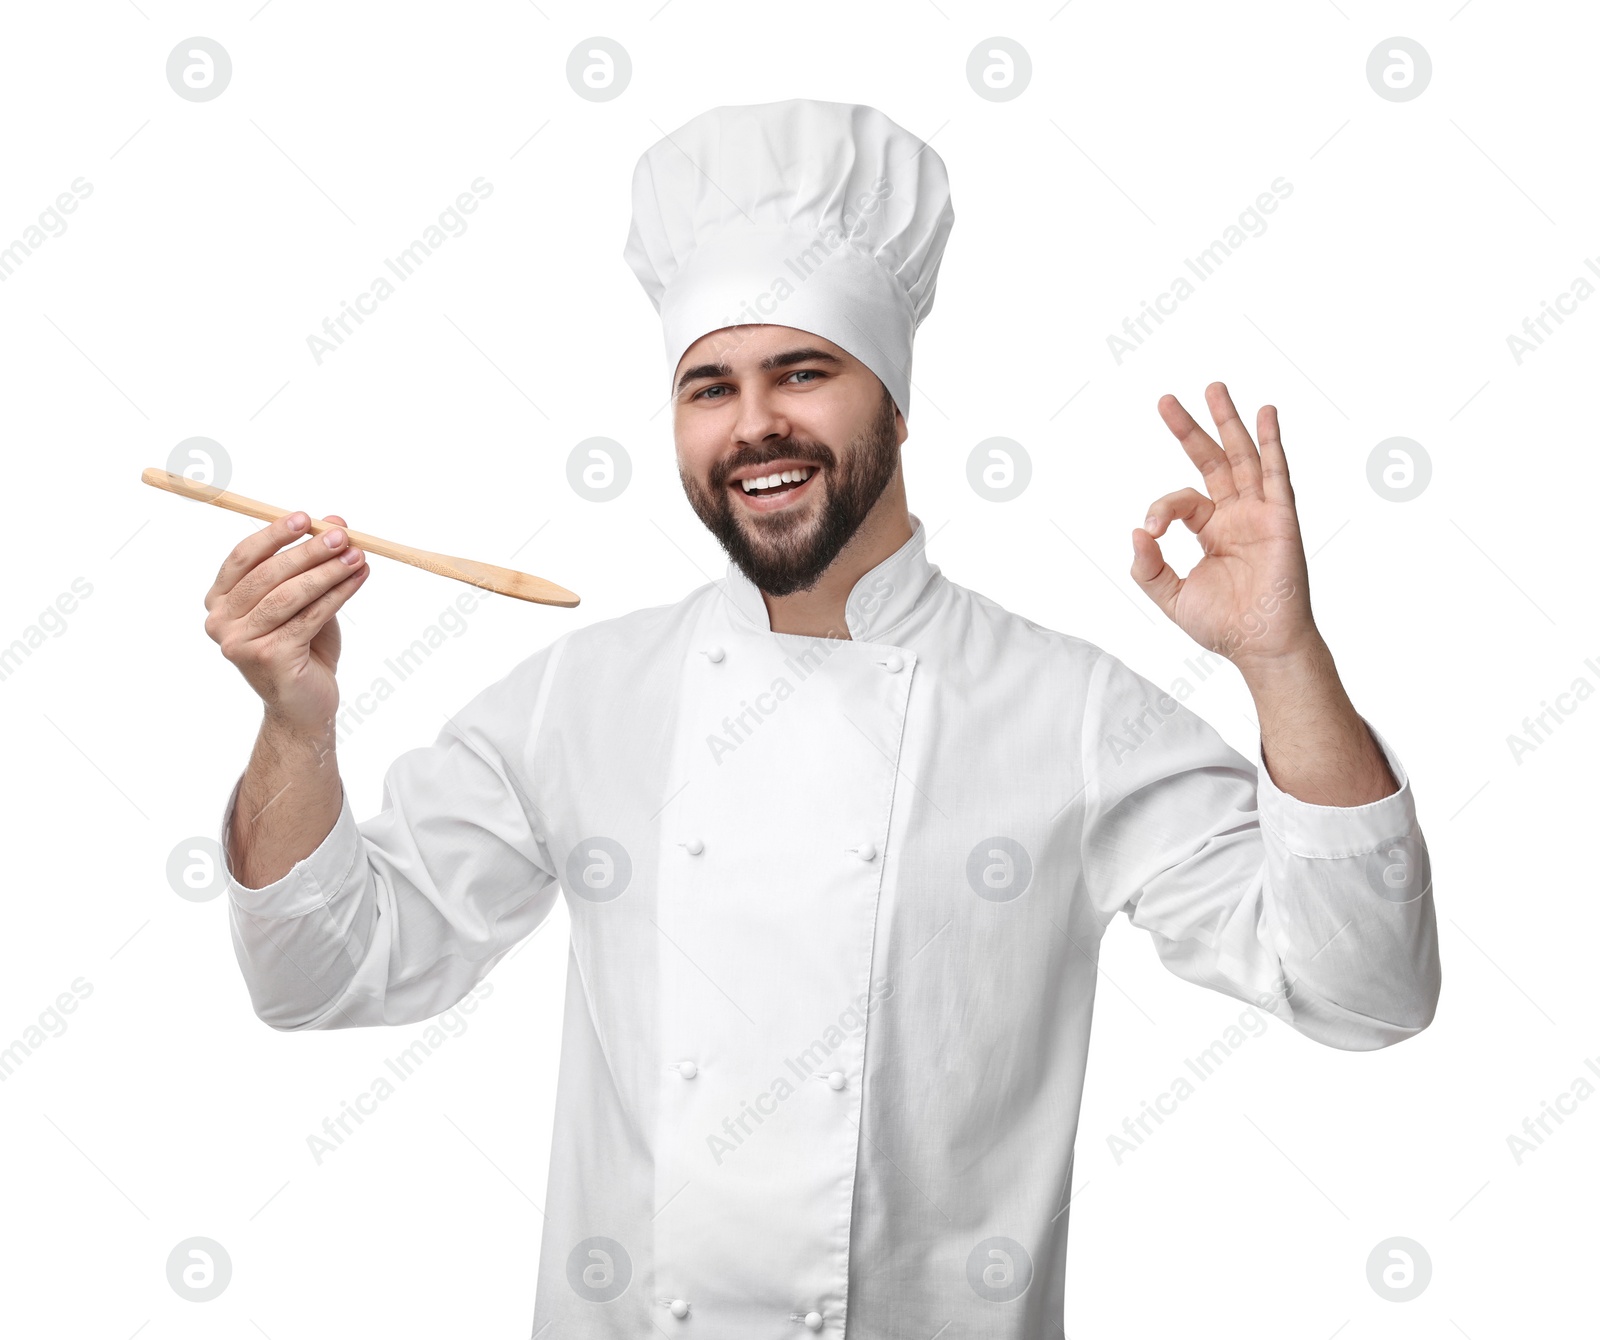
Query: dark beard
{"points": [[791, 555]]}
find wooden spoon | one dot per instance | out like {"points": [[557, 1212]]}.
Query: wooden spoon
{"points": [[502, 581]]}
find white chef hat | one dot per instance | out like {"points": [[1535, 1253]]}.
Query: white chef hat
{"points": [[824, 216]]}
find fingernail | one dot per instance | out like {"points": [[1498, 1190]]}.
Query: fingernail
{"points": [[333, 538], [1150, 523], [350, 556], [297, 521]]}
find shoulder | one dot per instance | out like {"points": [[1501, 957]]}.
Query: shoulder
{"points": [[647, 626], [620, 644], [597, 663], [982, 641], [977, 617]]}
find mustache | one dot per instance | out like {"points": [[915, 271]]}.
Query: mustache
{"points": [[812, 453]]}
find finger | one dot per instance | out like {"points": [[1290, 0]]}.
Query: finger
{"points": [[283, 602], [1190, 505], [1275, 483], [273, 571], [1209, 458], [337, 520], [305, 625], [1241, 451], [255, 547], [1154, 574]]}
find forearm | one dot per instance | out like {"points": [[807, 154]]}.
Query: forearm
{"points": [[394, 919], [1313, 741], [289, 798], [303, 902]]}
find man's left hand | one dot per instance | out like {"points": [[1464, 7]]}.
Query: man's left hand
{"points": [[1247, 597]]}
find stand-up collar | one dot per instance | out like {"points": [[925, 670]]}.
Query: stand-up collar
{"points": [[879, 600]]}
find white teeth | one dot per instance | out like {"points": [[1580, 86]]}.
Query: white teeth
{"points": [[770, 481]]}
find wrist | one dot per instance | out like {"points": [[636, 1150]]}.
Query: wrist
{"points": [[1307, 664], [290, 738]]}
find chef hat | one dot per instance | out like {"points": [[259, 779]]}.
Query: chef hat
{"points": [[823, 216]]}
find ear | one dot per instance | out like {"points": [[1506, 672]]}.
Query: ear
{"points": [[900, 429]]}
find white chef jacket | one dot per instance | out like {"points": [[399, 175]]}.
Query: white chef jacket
{"points": [[835, 907]]}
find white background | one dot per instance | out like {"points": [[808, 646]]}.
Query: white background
{"points": [[1378, 302]]}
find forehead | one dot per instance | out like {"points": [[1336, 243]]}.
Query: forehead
{"points": [[741, 348]]}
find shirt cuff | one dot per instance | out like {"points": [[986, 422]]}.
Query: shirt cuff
{"points": [[1332, 831], [311, 882]]}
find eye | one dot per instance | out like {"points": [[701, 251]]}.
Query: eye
{"points": [[707, 390], [807, 372]]}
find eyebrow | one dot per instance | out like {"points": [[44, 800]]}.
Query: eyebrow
{"points": [[788, 358]]}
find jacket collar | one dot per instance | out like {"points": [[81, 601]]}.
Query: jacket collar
{"points": [[881, 598]]}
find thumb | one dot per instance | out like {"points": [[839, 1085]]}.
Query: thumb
{"points": [[1154, 574]]}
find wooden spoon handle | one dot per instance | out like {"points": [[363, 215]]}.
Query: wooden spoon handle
{"points": [[502, 581]]}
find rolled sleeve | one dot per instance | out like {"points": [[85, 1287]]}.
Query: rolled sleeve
{"points": [[1350, 911], [1321, 914], [311, 882], [394, 919], [1330, 831]]}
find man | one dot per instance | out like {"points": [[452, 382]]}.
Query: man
{"points": [[839, 837]]}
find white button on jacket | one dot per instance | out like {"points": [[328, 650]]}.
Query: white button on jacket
{"points": [[880, 957]]}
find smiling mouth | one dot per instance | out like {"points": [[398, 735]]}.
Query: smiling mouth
{"points": [[778, 494]]}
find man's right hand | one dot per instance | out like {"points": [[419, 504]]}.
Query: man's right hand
{"points": [[272, 609]]}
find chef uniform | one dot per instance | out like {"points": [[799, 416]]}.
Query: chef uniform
{"points": [[835, 904]]}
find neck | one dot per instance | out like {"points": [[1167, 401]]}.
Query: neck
{"points": [[820, 612]]}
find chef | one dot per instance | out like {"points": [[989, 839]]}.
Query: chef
{"points": [[839, 837]]}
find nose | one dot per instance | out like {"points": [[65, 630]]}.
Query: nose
{"points": [[761, 417]]}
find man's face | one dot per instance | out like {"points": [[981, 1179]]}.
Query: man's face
{"points": [[757, 401]]}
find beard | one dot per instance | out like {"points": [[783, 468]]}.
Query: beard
{"points": [[788, 551]]}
